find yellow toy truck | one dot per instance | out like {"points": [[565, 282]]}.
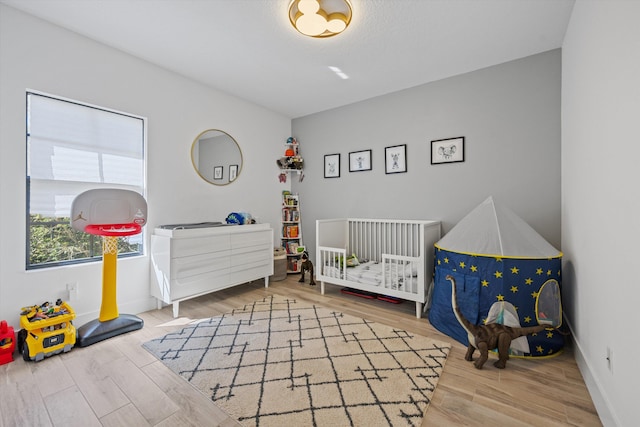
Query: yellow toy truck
{"points": [[46, 330]]}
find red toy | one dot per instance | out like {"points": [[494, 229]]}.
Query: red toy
{"points": [[7, 343]]}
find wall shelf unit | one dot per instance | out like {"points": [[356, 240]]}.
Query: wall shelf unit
{"points": [[291, 233], [291, 162]]}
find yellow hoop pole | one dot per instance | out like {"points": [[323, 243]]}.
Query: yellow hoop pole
{"points": [[109, 307]]}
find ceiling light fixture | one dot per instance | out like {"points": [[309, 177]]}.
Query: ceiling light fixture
{"points": [[320, 18]]}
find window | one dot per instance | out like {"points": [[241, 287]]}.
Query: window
{"points": [[73, 147]]}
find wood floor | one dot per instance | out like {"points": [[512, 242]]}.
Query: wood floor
{"points": [[118, 383]]}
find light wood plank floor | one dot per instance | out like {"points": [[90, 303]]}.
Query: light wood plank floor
{"points": [[118, 383]]}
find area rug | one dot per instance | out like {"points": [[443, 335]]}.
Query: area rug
{"points": [[280, 362]]}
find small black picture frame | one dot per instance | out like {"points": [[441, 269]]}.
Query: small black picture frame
{"points": [[395, 159], [360, 161], [217, 172], [332, 165], [448, 150], [233, 172]]}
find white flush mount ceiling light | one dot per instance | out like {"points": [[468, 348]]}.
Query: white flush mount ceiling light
{"points": [[320, 18]]}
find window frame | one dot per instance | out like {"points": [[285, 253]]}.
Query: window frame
{"points": [[93, 240]]}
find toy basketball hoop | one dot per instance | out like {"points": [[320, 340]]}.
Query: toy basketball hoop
{"points": [[110, 213]]}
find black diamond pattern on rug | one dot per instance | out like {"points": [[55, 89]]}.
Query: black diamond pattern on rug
{"points": [[280, 362]]}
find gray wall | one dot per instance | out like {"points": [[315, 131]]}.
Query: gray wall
{"points": [[601, 200], [510, 117]]}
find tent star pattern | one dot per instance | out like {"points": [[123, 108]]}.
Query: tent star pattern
{"points": [[483, 280]]}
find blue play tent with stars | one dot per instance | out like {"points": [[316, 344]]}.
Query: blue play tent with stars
{"points": [[505, 272]]}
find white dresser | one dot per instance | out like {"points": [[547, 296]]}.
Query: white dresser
{"points": [[186, 263]]}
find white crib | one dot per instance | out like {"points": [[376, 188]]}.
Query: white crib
{"points": [[396, 256]]}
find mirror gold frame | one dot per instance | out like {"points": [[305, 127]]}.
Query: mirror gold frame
{"points": [[216, 156]]}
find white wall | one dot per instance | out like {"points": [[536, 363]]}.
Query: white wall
{"points": [[44, 57], [510, 117], [601, 199]]}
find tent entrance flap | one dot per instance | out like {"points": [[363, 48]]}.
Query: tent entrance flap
{"points": [[549, 304], [505, 313]]}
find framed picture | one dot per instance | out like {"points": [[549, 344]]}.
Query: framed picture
{"points": [[450, 150], [395, 159], [233, 172], [332, 166], [360, 161], [217, 172]]}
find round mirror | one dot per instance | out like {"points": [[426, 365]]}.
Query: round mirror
{"points": [[217, 157]]}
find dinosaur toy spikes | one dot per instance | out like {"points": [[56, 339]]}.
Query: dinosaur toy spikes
{"points": [[489, 336]]}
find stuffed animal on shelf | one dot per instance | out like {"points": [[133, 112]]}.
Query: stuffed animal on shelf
{"points": [[488, 336], [290, 163], [306, 265]]}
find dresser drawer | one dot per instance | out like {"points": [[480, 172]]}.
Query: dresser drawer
{"points": [[199, 284], [200, 245], [184, 267], [255, 238]]}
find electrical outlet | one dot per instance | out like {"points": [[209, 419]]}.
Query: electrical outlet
{"points": [[610, 359], [72, 291]]}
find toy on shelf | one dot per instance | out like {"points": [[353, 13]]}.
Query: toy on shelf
{"points": [[291, 234], [7, 342], [291, 161], [47, 329]]}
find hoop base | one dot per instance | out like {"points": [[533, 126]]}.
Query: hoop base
{"points": [[95, 331]]}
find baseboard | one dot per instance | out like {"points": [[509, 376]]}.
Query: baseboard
{"points": [[607, 417], [134, 307]]}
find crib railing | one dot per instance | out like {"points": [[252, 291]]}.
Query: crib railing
{"points": [[370, 238], [402, 274], [331, 263]]}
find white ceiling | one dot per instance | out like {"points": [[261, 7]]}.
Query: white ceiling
{"points": [[249, 49]]}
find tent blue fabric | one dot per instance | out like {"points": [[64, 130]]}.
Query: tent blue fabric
{"points": [[485, 278]]}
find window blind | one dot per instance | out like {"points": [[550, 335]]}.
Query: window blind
{"points": [[74, 147]]}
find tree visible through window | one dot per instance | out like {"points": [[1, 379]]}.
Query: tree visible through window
{"points": [[74, 147]]}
